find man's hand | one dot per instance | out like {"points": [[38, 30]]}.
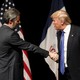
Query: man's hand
{"points": [[53, 54]]}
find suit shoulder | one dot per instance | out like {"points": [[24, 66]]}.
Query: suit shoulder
{"points": [[76, 27]]}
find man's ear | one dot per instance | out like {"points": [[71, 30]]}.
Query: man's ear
{"points": [[10, 22]]}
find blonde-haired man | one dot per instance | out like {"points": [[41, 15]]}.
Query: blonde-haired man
{"points": [[71, 46]]}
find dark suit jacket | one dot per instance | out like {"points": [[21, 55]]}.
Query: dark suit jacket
{"points": [[73, 52], [10, 54]]}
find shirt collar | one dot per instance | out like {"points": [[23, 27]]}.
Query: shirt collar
{"points": [[67, 28]]}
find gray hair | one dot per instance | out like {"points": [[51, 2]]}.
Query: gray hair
{"points": [[10, 14]]}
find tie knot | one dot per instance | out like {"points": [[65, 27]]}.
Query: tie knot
{"points": [[62, 32]]}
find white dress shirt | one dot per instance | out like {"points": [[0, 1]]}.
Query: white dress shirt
{"points": [[66, 35]]}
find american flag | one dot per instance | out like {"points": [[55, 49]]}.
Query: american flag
{"points": [[6, 5], [26, 70]]}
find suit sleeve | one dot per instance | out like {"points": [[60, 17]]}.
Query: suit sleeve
{"points": [[16, 41]]}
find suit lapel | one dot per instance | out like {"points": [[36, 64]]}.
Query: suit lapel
{"points": [[71, 39]]}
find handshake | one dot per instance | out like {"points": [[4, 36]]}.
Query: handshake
{"points": [[53, 54]]}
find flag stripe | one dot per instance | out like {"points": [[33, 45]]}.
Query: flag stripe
{"points": [[26, 66], [26, 61], [26, 69], [26, 76]]}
